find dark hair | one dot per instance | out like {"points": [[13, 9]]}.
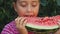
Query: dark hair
{"points": [[14, 0]]}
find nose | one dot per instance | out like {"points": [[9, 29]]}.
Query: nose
{"points": [[29, 9]]}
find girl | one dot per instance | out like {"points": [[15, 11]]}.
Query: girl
{"points": [[24, 8]]}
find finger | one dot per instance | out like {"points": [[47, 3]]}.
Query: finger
{"points": [[59, 23], [25, 22], [22, 21], [18, 21]]}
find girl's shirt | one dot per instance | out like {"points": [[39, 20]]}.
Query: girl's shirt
{"points": [[11, 29]]}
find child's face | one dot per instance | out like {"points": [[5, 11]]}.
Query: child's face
{"points": [[27, 8]]}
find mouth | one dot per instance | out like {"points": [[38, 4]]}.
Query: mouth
{"points": [[28, 15]]}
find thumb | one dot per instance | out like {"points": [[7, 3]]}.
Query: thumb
{"points": [[59, 23]]}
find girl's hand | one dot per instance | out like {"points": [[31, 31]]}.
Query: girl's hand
{"points": [[58, 32], [20, 24]]}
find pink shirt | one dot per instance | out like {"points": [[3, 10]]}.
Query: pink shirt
{"points": [[11, 29]]}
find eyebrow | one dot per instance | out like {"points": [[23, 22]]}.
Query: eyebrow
{"points": [[26, 1], [21, 1], [35, 1]]}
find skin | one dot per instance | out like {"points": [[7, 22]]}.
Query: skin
{"points": [[26, 8]]}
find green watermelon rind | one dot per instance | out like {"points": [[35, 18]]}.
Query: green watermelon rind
{"points": [[41, 27], [41, 30], [32, 29]]}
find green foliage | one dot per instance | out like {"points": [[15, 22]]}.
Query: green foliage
{"points": [[7, 13]]}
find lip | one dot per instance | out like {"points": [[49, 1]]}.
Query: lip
{"points": [[28, 15]]}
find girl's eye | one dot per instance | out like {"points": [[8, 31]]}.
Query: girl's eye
{"points": [[34, 4], [23, 4]]}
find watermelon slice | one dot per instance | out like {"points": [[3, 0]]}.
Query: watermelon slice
{"points": [[39, 23], [42, 23]]}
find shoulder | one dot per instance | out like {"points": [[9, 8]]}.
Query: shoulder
{"points": [[9, 25], [9, 28]]}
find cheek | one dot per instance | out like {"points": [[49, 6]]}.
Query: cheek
{"points": [[20, 11], [36, 10]]}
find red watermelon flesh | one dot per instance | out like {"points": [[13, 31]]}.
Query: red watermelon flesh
{"points": [[57, 17], [41, 22], [47, 21]]}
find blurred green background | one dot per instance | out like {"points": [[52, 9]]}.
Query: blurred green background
{"points": [[7, 13]]}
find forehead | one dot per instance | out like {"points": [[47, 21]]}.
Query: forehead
{"points": [[28, 0]]}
